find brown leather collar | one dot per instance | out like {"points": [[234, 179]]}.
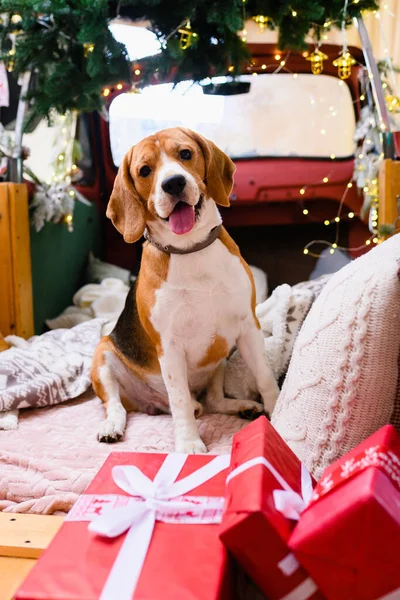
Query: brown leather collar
{"points": [[212, 236]]}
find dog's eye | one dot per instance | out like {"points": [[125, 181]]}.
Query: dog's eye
{"points": [[185, 154], [145, 171]]}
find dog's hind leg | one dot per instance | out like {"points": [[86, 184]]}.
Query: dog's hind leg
{"points": [[107, 388], [217, 403]]}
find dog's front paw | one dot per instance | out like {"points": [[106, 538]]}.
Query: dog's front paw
{"points": [[250, 410], [187, 446], [109, 432]]}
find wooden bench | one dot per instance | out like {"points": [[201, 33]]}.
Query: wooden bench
{"points": [[23, 538]]}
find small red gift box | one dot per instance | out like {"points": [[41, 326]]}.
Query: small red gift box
{"points": [[349, 537], [171, 550], [253, 527]]}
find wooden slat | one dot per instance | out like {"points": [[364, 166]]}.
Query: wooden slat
{"points": [[26, 536], [389, 191], [21, 255], [13, 572], [7, 317], [3, 343]]}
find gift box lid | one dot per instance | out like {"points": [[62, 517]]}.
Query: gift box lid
{"points": [[184, 561], [250, 492], [352, 530]]}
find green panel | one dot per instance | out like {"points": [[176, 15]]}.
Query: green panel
{"points": [[59, 260]]}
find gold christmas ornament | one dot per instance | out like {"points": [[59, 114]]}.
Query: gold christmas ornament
{"points": [[10, 62], [317, 61], [186, 36], [344, 64], [393, 103], [262, 22], [87, 49]]}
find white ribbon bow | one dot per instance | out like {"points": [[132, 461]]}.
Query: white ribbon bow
{"points": [[155, 499], [287, 501]]}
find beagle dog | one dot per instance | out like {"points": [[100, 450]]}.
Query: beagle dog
{"points": [[194, 298]]}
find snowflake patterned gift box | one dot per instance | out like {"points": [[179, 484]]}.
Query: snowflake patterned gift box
{"points": [[266, 490], [145, 528], [349, 536]]}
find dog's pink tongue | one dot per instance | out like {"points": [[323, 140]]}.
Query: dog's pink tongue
{"points": [[181, 220]]}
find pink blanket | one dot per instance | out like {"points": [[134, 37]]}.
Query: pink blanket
{"points": [[50, 459]]}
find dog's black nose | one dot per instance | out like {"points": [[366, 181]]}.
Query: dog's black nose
{"points": [[174, 185]]}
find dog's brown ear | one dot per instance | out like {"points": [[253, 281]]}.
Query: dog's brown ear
{"points": [[125, 208], [219, 169]]}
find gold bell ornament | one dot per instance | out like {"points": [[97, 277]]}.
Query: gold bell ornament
{"points": [[186, 36], [261, 21], [87, 49], [393, 103], [317, 61], [344, 64]]}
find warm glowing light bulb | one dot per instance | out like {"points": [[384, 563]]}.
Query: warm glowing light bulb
{"points": [[305, 211], [282, 63], [366, 188], [375, 240], [326, 222], [351, 215], [332, 251], [294, 13], [61, 157], [362, 97], [137, 71], [333, 156], [302, 191], [106, 92], [263, 66], [71, 193], [255, 74], [325, 180], [305, 251], [349, 185], [334, 245], [119, 86], [367, 242], [337, 219], [295, 75], [277, 57]]}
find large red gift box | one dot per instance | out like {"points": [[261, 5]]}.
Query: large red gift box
{"points": [[185, 561], [349, 536], [253, 529]]}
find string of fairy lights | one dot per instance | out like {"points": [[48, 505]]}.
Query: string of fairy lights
{"points": [[65, 167]]}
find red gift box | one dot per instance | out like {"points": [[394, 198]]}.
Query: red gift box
{"points": [[184, 561], [349, 537], [253, 529]]}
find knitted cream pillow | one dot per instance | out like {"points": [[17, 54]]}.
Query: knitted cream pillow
{"points": [[342, 379]]}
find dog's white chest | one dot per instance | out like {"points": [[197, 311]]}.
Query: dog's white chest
{"points": [[206, 294]]}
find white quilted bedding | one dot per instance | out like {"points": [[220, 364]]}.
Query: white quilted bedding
{"points": [[50, 459]]}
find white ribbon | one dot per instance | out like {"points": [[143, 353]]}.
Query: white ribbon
{"points": [[287, 501], [154, 498]]}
